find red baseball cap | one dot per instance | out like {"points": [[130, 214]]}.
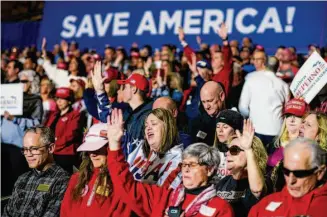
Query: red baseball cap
{"points": [[137, 80], [64, 93], [296, 107], [62, 66], [79, 81], [135, 54], [110, 74]]}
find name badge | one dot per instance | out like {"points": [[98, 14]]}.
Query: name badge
{"points": [[272, 206], [207, 211], [201, 134], [43, 187]]}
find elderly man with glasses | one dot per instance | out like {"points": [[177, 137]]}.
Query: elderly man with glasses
{"points": [[38, 192], [305, 193]]}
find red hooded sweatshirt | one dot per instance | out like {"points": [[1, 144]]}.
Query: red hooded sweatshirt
{"points": [[283, 204], [151, 199], [89, 206]]}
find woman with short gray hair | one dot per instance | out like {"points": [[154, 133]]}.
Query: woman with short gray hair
{"points": [[194, 197]]}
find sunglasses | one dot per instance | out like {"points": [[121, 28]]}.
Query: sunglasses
{"points": [[24, 81], [233, 150], [299, 173]]}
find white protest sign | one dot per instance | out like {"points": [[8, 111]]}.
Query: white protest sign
{"points": [[310, 79], [12, 98]]}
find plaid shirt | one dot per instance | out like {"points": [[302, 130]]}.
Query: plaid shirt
{"points": [[38, 193]]}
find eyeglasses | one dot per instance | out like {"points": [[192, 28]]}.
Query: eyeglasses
{"points": [[33, 150], [24, 81], [299, 173], [233, 150], [191, 165]]}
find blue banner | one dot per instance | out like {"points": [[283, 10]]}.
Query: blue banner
{"points": [[271, 24], [19, 34]]}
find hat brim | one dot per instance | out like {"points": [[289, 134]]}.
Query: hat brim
{"points": [[122, 82], [300, 115], [92, 146]]}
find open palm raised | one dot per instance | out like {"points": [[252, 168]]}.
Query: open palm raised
{"points": [[115, 129], [246, 137]]}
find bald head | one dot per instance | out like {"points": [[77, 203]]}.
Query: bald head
{"points": [[166, 103], [212, 98]]}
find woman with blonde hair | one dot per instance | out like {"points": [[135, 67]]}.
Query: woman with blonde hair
{"points": [[315, 127], [246, 162], [294, 111], [160, 154]]}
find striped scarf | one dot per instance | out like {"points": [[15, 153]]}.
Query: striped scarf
{"points": [[193, 208]]}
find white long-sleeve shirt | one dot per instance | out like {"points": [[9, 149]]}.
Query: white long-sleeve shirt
{"points": [[262, 100], [60, 77]]}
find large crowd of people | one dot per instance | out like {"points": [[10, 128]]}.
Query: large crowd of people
{"points": [[208, 131]]}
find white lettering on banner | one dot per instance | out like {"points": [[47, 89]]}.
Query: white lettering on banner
{"points": [[212, 24], [191, 18], [229, 20], [311, 78], [85, 27], [170, 22], [119, 22], [244, 21], [239, 20], [147, 24], [69, 27], [102, 27], [11, 99], [275, 24]]}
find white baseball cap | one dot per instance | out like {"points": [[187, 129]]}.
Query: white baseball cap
{"points": [[95, 138]]}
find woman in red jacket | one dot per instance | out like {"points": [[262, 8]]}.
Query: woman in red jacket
{"points": [[196, 196], [68, 128], [90, 191]]}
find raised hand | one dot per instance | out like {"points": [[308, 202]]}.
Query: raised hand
{"points": [[192, 65], [148, 63], [64, 46], [247, 137], [198, 40], [181, 34], [115, 129], [223, 31], [44, 44], [97, 78]]}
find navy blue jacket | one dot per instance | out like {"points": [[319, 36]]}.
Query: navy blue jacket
{"points": [[99, 107]]}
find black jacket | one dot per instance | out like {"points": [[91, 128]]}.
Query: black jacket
{"points": [[203, 128], [32, 107]]}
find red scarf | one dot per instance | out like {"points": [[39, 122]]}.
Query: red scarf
{"points": [[193, 208]]}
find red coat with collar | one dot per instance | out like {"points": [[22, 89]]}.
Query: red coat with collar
{"points": [[312, 204], [152, 200], [68, 131], [112, 206]]}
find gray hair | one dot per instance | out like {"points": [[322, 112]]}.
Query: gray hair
{"points": [[47, 136], [206, 155], [33, 78], [318, 155]]}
